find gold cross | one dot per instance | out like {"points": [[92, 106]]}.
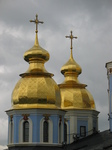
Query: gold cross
{"points": [[71, 37], [36, 21]]}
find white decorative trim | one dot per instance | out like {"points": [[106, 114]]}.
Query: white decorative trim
{"points": [[67, 132], [21, 130], [61, 132], [11, 131], [34, 144], [50, 131], [36, 111]]}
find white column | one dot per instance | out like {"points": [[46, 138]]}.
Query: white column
{"points": [[90, 125]]}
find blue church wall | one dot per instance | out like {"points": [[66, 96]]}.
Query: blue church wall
{"points": [[110, 77], [36, 120], [16, 119], [8, 127], [36, 127], [55, 120], [110, 87], [82, 123]]}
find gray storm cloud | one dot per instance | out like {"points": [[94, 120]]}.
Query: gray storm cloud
{"points": [[90, 20]]}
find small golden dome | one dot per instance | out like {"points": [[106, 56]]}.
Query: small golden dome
{"points": [[36, 88], [71, 66], [36, 52], [74, 94]]}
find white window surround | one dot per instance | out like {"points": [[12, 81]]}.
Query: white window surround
{"points": [[67, 132], [50, 131], [60, 134], [11, 131], [21, 130]]}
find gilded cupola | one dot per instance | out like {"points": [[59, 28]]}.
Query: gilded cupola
{"points": [[36, 88], [74, 94]]}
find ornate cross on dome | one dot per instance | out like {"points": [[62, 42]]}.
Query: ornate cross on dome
{"points": [[71, 37], [36, 21]]}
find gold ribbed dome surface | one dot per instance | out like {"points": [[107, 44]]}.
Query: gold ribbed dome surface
{"points": [[74, 94], [36, 92], [36, 88], [76, 98]]}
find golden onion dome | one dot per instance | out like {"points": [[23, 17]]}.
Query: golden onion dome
{"points": [[36, 52], [74, 94], [36, 88], [71, 66]]}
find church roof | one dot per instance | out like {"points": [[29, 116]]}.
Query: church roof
{"points": [[98, 141]]}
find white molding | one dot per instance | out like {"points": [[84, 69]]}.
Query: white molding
{"points": [[61, 132], [35, 144], [11, 131], [81, 112], [36, 111], [67, 132]]}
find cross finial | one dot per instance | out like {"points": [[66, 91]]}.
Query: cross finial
{"points": [[71, 37], [36, 21]]}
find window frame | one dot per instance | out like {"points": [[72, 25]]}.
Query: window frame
{"points": [[21, 129], [11, 130], [83, 133], [50, 130]]}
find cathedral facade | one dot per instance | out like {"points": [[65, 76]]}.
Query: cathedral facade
{"points": [[45, 113]]}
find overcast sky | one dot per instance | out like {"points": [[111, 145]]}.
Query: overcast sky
{"points": [[90, 21]]}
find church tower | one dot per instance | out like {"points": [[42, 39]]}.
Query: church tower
{"points": [[81, 118], [35, 117], [44, 113], [109, 76]]}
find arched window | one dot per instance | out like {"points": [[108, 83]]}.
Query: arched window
{"points": [[26, 131], [22, 130], [45, 131], [65, 132]]}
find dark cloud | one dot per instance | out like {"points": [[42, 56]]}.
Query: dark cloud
{"points": [[90, 21]]}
